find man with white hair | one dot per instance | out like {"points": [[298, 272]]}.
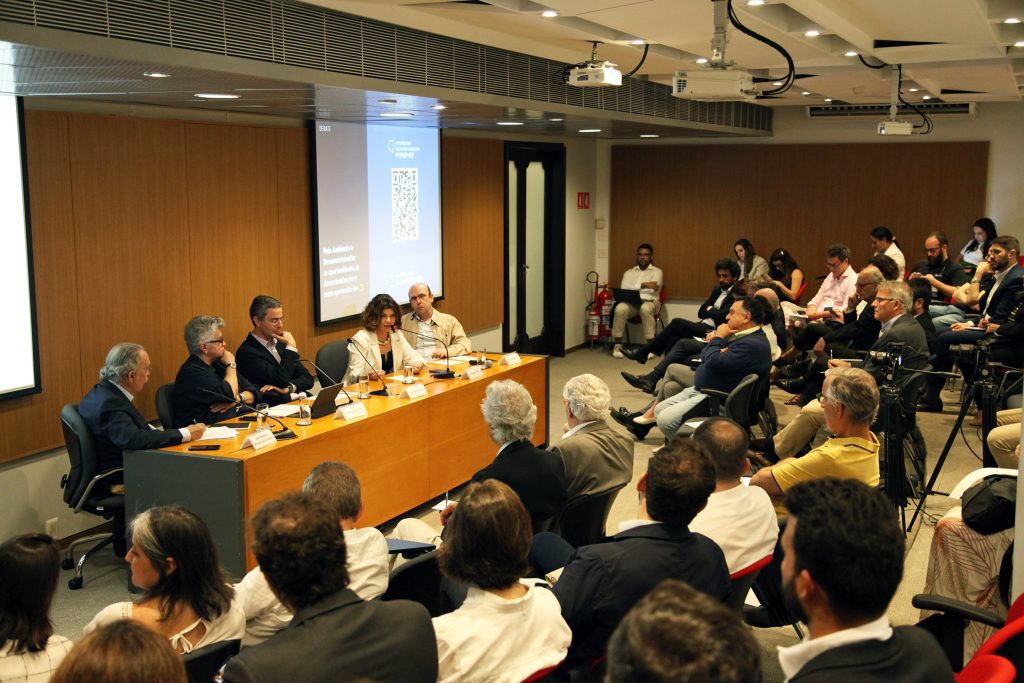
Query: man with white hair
{"points": [[596, 457]]}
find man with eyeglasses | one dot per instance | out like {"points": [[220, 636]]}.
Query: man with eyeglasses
{"points": [[423, 324], [269, 357], [208, 383]]}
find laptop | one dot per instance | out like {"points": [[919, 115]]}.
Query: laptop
{"points": [[324, 405], [629, 296]]}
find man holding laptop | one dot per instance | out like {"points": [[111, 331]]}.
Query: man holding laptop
{"points": [[647, 279]]}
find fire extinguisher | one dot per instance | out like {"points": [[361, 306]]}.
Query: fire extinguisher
{"points": [[603, 306]]}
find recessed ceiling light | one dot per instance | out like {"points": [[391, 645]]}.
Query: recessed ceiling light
{"points": [[913, 89], [650, 135], [777, 83], [589, 130], [1011, 20], [637, 42], [395, 114], [755, 3], [805, 93], [1019, 43], [926, 97], [812, 33], [851, 53], [702, 60], [556, 119], [156, 74], [549, 13], [440, 107], [510, 123], [216, 96], [828, 99]]}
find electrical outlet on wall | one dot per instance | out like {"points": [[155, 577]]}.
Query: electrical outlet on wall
{"points": [[51, 527]]}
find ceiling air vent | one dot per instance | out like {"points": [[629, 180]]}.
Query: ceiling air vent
{"points": [[945, 110]]}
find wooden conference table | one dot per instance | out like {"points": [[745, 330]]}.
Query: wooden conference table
{"points": [[406, 452]]}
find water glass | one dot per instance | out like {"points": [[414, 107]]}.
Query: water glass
{"points": [[305, 405], [261, 415], [407, 373], [364, 385]]}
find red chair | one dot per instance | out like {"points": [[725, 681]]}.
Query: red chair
{"points": [[800, 293], [540, 675], [988, 669], [1006, 643], [742, 581]]}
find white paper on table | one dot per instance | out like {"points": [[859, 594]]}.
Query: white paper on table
{"points": [[213, 433], [399, 378], [464, 359], [974, 477], [283, 410], [441, 506], [443, 363]]}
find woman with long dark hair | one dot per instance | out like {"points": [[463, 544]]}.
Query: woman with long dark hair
{"points": [[974, 252], [785, 274], [29, 568], [186, 595], [751, 265], [381, 342]]}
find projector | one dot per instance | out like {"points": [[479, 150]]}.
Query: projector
{"points": [[714, 85], [895, 128], [594, 75]]}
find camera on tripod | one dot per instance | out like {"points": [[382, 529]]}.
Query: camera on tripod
{"points": [[889, 359]]}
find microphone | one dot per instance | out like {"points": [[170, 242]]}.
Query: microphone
{"points": [[383, 391], [438, 374], [285, 433], [317, 368]]}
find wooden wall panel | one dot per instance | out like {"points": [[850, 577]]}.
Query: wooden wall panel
{"points": [[473, 204], [693, 202], [128, 182], [30, 424]]}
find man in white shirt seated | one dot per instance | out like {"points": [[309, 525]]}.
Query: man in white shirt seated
{"points": [[648, 279], [423, 325], [843, 561], [337, 485], [739, 518]]}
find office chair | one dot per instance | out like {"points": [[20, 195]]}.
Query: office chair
{"points": [[202, 665], [165, 405], [86, 489], [418, 580], [741, 583], [332, 357], [583, 520], [738, 404]]}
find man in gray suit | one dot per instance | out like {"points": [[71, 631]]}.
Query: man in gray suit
{"points": [[893, 305], [596, 457], [334, 634]]}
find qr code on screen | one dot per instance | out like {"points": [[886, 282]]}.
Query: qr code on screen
{"points": [[405, 204]]}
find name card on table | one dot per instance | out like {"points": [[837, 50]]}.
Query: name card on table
{"points": [[260, 438], [473, 372], [414, 391], [510, 359], [350, 411]]}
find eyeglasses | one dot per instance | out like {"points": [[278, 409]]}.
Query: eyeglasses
{"points": [[216, 341], [884, 298]]}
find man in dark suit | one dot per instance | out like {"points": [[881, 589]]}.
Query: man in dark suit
{"points": [[994, 287], [334, 634], [842, 563], [922, 294], [208, 383], [601, 582], [116, 424], [268, 355]]}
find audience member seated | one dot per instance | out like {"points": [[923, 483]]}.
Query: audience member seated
{"points": [[29, 569], [596, 457], [208, 383], [121, 652], [849, 402], [996, 286], [945, 276], [752, 266], [676, 634], [921, 292], [900, 333], [301, 550], [1003, 440], [269, 356], [974, 252], [648, 279], [884, 242], [508, 627], [114, 421], [424, 323], [601, 582], [379, 347], [186, 595], [785, 274], [843, 561], [737, 348], [739, 518], [886, 266], [337, 485]]}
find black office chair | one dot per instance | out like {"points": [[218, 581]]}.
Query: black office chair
{"points": [[86, 489], [418, 580], [583, 520], [738, 404], [332, 359], [202, 665], [767, 587], [165, 405]]}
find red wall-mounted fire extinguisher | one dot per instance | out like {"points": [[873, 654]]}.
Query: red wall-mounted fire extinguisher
{"points": [[603, 308]]}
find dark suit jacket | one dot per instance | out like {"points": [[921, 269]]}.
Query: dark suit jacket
{"points": [[930, 334], [907, 333], [724, 362], [603, 581], [708, 310], [596, 458], [191, 398], [1005, 297], [859, 332], [537, 476], [912, 655], [256, 363], [342, 638], [779, 328], [117, 425]]}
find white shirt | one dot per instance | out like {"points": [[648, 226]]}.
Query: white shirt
{"points": [[33, 667], [501, 641], [367, 559], [793, 658], [186, 435], [581, 425], [742, 521], [228, 626], [632, 278], [896, 255]]}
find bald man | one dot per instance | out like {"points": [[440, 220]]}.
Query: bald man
{"points": [[424, 324]]}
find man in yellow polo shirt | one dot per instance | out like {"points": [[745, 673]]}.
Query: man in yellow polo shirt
{"points": [[849, 400]]}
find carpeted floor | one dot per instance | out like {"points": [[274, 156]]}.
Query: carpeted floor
{"points": [[106, 579]]}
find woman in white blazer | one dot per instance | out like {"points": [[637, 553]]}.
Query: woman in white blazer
{"points": [[381, 342]]}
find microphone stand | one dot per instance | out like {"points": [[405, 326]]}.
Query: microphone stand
{"points": [[285, 433], [437, 374], [317, 368], [383, 391]]}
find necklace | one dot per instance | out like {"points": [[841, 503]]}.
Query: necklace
{"points": [[384, 342]]}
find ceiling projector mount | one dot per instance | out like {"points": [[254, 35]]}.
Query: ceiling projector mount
{"points": [[893, 125], [598, 74]]}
